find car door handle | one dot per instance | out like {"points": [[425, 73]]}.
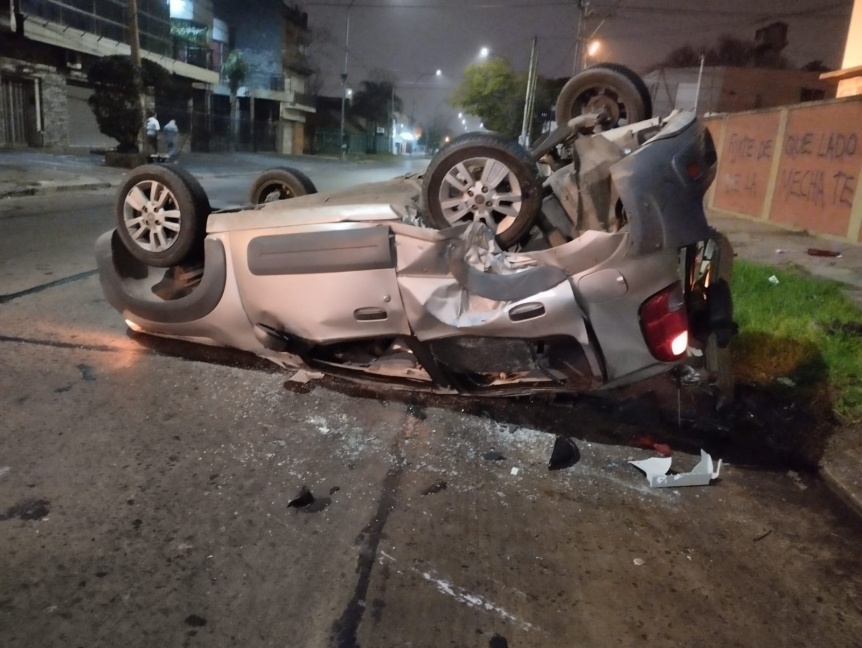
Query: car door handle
{"points": [[370, 314], [526, 311]]}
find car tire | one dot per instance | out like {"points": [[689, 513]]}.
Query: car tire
{"points": [[280, 183], [613, 88], [457, 186], [198, 192], [158, 216]]}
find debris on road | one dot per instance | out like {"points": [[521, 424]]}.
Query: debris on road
{"points": [[304, 498], [434, 488], [302, 376], [797, 479], [822, 253], [656, 469], [308, 503], [638, 561], [494, 455], [564, 455], [647, 442]]}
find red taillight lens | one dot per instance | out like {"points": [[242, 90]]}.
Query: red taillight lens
{"points": [[665, 324]]}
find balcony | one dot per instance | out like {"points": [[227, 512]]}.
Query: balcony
{"points": [[297, 62]]}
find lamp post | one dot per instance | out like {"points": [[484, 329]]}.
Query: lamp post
{"points": [[344, 80]]}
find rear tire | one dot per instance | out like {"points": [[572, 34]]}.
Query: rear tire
{"points": [[483, 176], [613, 88], [280, 183]]}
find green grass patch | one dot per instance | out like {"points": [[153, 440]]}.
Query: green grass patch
{"points": [[794, 338]]}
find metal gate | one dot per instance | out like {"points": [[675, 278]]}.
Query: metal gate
{"points": [[18, 100]]}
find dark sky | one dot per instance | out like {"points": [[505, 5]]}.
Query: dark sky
{"points": [[412, 38]]}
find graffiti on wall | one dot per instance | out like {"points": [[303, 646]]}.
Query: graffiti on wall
{"points": [[745, 162], [818, 174]]}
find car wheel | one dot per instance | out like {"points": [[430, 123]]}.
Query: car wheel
{"points": [[482, 176], [280, 183], [612, 88], [198, 192], [158, 217]]}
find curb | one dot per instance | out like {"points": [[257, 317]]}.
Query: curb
{"points": [[835, 484], [40, 190]]}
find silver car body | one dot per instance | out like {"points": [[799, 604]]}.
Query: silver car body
{"points": [[350, 282]]}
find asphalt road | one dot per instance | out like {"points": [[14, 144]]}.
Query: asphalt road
{"points": [[145, 490]]}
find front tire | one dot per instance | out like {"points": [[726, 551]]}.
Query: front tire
{"points": [[279, 183], [483, 176], [158, 216]]}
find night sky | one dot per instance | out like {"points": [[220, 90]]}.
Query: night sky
{"points": [[412, 38]]}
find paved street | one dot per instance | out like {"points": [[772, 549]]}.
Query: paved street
{"points": [[145, 484]]}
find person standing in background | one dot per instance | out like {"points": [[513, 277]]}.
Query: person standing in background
{"points": [[171, 132], [152, 127]]}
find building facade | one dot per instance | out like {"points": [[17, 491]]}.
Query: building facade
{"points": [[47, 46]]}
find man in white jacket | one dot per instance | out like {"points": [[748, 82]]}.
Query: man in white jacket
{"points": [[152, 127]]}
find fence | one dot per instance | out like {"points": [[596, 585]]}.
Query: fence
{"points": [[796, 166], [212, 134], [328, 142]]}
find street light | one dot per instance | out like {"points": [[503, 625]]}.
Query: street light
{"points": [[344, 80]]}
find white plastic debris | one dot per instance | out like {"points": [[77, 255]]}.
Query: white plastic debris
{"points": [[514, 471], [656, 472], [773, 280], [303, 376], [638, 561]]}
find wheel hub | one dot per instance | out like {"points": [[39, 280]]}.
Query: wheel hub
{"points": [[606, 103]]}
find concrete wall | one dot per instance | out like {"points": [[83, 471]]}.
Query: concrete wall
{"points": [[734, 89], [796, 166]]}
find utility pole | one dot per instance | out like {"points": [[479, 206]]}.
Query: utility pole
{"points": [[135, 45], [577, 63], [344, 80], [392, 128], [530, 98]]}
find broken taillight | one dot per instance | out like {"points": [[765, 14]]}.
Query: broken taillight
{"points": [[664, 323]]}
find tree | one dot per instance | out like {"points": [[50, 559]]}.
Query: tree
{"points": [[816, 66], [235, 68], [495, 93], [115, 100], [728, 51]]}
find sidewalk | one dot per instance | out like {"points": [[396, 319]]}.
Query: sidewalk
{"points": [[28, 173], [24, 173]]}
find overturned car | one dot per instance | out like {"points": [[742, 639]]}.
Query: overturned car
{"points": [[585, 263]]}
